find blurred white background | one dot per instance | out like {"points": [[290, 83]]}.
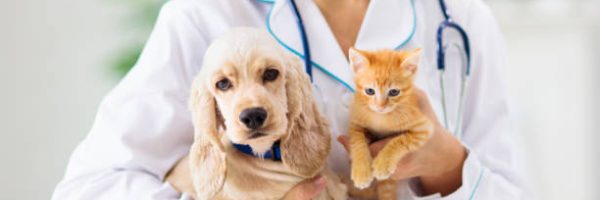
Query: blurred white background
{"points": [[53, 74]]}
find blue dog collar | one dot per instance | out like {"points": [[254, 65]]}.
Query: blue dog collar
{"points": [[273, 154]]}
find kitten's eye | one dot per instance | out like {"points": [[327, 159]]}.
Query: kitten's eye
{"points": [[369, 91], [394, 92], [223, 84], [270, 75]]}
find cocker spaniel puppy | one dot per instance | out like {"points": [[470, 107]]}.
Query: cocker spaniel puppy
{"points": [[253, 94]]}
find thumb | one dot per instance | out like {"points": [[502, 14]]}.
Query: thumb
{"points": [[308, 189], [343, 139]]}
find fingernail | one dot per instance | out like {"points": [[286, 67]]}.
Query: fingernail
{"points": [[342, 138]]}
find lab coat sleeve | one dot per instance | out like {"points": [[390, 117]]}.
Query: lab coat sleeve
{"points": [[492, 168], [143, 125]]}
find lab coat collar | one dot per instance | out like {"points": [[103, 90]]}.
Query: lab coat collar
{"points": [[387, 24]]}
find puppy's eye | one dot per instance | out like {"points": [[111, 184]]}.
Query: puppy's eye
{"points": [[394, 92], [270, 75], [223, 84], [370, 91]]}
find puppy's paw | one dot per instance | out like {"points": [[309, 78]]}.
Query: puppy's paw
{"points": [[361, 176], [383, 168]]}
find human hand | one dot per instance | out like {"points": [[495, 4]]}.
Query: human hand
{"points": [[438, 163], [307, 189], [180, 177]]}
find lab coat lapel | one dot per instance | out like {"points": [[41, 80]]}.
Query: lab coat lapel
{"points": [[326, 54], [387, 24]]}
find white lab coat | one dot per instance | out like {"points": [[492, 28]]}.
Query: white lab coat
{"points": [[143, 126]]}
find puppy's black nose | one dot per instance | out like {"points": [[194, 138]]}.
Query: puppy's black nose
{"points": [[253, 118]]}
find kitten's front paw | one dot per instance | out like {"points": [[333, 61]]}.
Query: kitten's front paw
{"points": [[383, 168], [361, 176]]}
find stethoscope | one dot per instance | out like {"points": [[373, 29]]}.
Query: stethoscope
{"points": [[447, 23]]}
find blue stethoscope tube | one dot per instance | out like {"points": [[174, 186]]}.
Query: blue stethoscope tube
{"points": [[304, 37], [447, 23]]}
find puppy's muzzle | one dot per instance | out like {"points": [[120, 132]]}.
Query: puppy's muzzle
{"points": [[253, 118]]}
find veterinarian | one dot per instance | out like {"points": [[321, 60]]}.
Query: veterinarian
{"points": [[138, 144]]}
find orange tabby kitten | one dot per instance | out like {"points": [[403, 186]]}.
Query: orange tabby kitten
{"points": [[384, 106]]}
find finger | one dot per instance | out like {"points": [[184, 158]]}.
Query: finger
{"points": [[308, 189], [422, 100], [343, 139], [405, 168], [375, 147], [314, 188], [425, 105], [399, 175]]}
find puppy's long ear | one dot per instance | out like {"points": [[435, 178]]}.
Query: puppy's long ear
{"points": [[306, 146], [205, 113], [207, 155]]}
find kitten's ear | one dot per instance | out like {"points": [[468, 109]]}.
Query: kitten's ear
{"points": [[358, 61], [411, 62]]}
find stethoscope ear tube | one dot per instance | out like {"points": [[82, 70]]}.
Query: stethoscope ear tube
{"points": [[463, 84]]}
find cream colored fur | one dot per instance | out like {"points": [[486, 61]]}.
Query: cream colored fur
{"points": [[221, 172]]}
